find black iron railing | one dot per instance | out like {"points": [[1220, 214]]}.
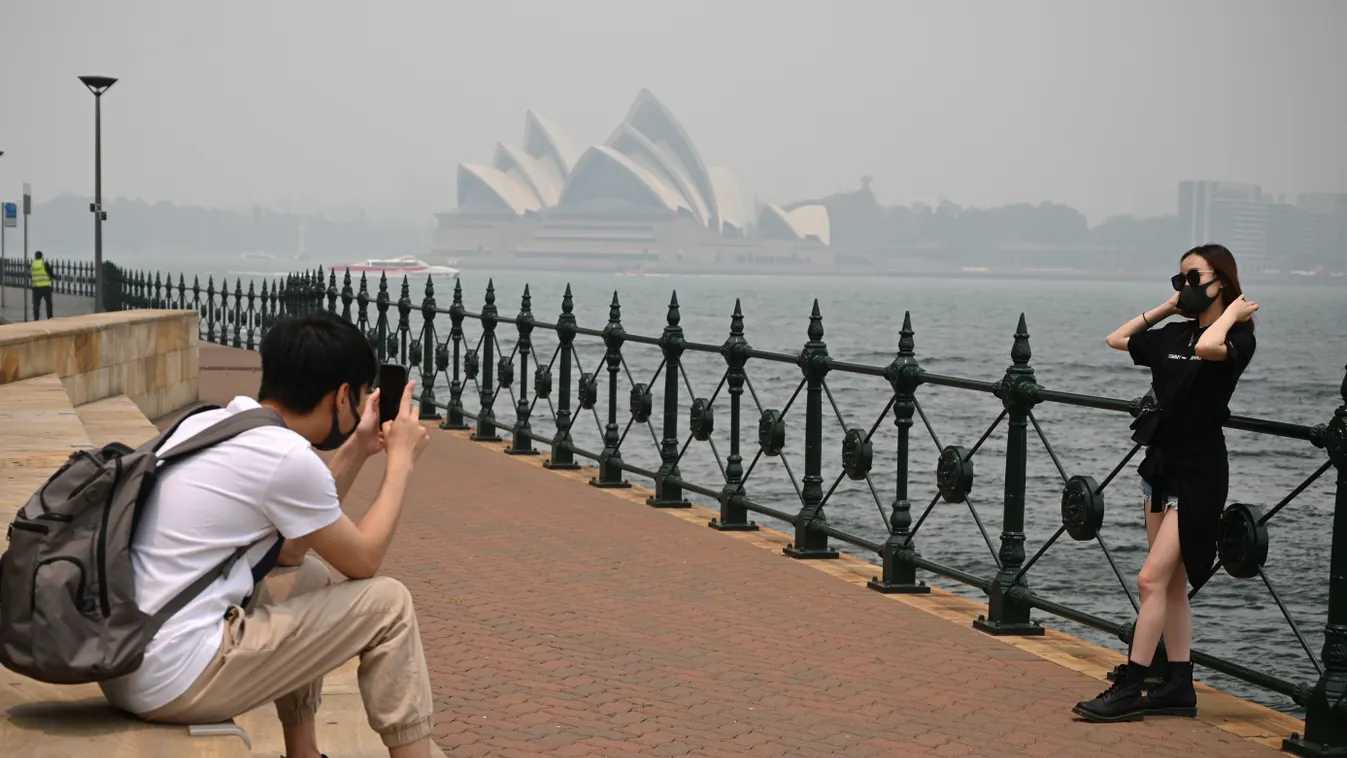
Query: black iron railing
{"points": [[68, 277], [233, 316]]}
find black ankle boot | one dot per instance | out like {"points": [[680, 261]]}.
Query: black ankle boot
{"points": [[1174, 696], [1122, 701]]}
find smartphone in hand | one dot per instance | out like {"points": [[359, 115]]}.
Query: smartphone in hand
{"points": [[392, 383]]}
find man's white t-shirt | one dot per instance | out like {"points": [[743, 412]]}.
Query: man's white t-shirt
{"points": [[261, 483]]}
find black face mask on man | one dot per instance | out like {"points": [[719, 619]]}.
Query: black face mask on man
{"points": [[336, 437]]}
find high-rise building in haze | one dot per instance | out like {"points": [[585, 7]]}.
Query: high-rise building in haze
{"points": [[1325, 228], [1266, 232], [1231, 214]]}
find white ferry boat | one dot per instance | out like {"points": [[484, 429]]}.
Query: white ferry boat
{"points": [[405, 264]]}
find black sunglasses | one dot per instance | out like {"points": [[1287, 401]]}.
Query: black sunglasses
{"points": [[1193, 278]]}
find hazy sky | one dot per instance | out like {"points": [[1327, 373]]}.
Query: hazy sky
{"points": [[1101, 104]]}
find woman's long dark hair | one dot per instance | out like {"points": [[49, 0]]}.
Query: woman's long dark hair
{"points": [[1223, 263]]}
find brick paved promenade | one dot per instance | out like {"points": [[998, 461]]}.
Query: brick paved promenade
{"points": [[564, 620]]}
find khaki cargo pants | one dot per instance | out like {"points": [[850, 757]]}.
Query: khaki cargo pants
{"points": [[300, 626]]}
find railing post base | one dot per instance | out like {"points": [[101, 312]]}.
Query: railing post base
{"points": [[1007, 611], [1325, 722], [525, 451], [1326, 712], [450, 423], [597, 482], [486, 428], [552, 464], [900, 576], [655, 502], [810, 553], [894, 588], [721, 526], [733, 515], [610, 475]]}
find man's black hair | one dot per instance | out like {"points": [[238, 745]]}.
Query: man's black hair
{"points": [[37, 255], [306, 357]]}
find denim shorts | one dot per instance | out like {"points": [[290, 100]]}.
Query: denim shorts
{"points": [[1171, 501]]}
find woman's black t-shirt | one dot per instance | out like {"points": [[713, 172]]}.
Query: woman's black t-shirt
{"points": [[1193, 393], [1187, 457]]}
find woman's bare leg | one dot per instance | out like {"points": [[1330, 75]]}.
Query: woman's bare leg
{"points": [[1163, 561], [1178, 618]]}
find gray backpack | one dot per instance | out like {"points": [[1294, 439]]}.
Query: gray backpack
{"points": [[68, 612]]}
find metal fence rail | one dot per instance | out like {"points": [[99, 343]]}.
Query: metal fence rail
{"points": [[239, 318]]}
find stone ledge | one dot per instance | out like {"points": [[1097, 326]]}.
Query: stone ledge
{"points": [[151, 356]]}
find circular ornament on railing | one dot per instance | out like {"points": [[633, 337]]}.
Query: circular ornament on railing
{"points": [[414, 357], [393, 344], [771, 433], [701, 419], [505, 372], [441, 357], [1082, 508], [471, 364], [954, 474], [542, 382], [858, 454], [1242, 540], [588, 391], [642, 403]]}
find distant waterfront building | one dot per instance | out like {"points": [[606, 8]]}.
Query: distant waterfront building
{"points": [[1234, 215], [1325, 219], [644, 199]]}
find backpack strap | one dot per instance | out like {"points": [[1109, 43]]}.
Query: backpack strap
{"points": [[181, 600], [219, 432], [155, 442], [223, 430]]}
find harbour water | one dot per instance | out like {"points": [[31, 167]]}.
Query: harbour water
{"points": [[964, 327]]}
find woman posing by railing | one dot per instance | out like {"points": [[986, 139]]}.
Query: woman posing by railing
{"points": [[1194, 365]]}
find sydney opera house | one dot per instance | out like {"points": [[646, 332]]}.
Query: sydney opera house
{"points": [[642, 200]]}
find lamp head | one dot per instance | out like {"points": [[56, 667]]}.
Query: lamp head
{"points": [[98, 84]]}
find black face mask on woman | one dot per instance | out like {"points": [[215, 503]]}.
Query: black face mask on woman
{"points": [[336, 437], [1195, 300], [1193, 297]]}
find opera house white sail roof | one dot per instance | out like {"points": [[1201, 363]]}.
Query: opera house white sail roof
{"points": [[648, 163]]}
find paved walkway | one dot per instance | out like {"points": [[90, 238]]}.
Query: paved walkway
{"points": [[61, 305], [564, 620]]}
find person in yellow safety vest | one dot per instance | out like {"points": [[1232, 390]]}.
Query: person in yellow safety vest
{"points": [[41, 284]]}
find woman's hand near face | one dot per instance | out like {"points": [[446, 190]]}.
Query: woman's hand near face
{"points": [[1242, 308]]}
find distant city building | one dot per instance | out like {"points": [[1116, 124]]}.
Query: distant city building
{"points": [[644, 199], [1325, 220], [1265, 232], [1234, 215]]}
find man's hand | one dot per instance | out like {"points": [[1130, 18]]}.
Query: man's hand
{"points": [[368, 436], [404, 438]]}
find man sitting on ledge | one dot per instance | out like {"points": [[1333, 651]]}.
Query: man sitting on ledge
{"points": [[243, 643]]}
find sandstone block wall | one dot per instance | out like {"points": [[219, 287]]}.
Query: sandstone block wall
{"points": [[151, 356]]}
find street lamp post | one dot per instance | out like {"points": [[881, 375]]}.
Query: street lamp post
{"points": [[98, 85]]}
